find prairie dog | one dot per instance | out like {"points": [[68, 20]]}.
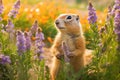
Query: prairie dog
{"points": [[69, 31]]}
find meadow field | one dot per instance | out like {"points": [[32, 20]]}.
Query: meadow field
{"points": [[27, 31]]}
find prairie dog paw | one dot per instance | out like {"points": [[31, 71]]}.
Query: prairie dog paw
{"points": [[70, 55], [60, 56]]}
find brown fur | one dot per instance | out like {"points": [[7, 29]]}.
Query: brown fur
{"points": [[69, 31]]}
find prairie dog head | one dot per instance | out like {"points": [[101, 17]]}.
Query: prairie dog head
{"points": [[68, 23]]}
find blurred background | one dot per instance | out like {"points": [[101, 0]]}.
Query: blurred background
{"points": [[73, 3], [46, 11]]}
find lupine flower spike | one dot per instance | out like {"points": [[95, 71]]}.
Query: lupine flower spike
{"points": [[14, 11], [28, 41], [4, 59], [1, 9], [115, 7], [39, 43], [92, 18], [117, 24], [34, 27], [17, 5], [21, 48], [66, 51], [9, 27]]}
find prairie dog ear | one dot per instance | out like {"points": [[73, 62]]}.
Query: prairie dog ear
{"points": [[77, 17]]}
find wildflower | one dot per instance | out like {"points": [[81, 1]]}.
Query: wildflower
{"points": [[39, 35], [13, 13], [17, 5], [9, 27], [66, 51], [117, 1], [28, 41], [1, 9], [4, 59], [115, 7], [34, 27], [117, 24], [15, 9], [39, 43], [92, 14], [20, 43]]}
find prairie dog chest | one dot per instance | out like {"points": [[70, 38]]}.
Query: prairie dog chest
{"points": [[69, 41]]}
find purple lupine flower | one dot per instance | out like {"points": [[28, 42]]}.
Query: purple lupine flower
{"points": [[117, 24], [15, 9], [39, 35], [117, 1], [13, 13], [17, 5], [1, 7], [115, 7], [10, 26], [28, 41], [4, 59], [21, 48], [39, 43], [34, 27], [66, 51], [92, 18], [10, 29]]}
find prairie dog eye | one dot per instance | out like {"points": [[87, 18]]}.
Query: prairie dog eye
{"points": [[69, 17]]}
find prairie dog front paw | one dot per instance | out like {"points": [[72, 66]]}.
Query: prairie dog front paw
{"points": [[70, 55], [60, 56]]}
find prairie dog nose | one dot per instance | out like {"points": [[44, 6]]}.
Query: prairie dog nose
{"points": [[57, 22]]}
